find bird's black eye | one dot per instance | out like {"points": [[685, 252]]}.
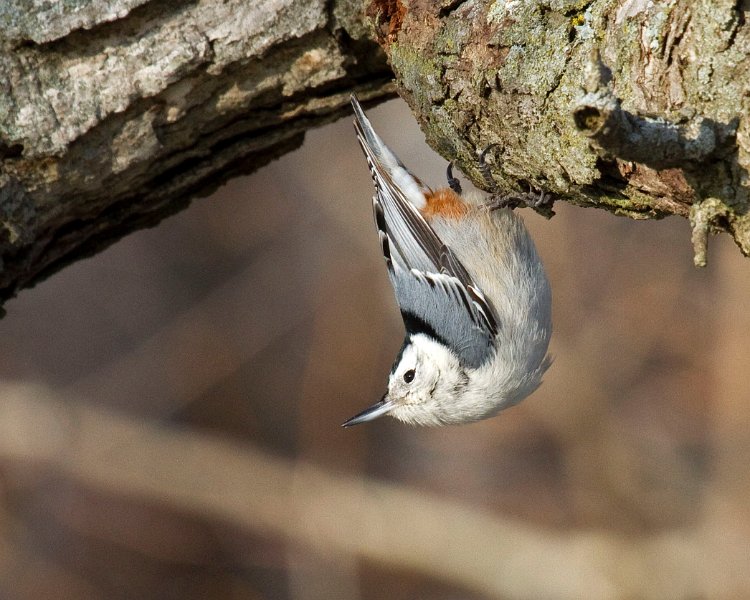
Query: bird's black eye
{"points": [[409, 376]]}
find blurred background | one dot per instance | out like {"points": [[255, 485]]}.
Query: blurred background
{"points": [[170, 413]]}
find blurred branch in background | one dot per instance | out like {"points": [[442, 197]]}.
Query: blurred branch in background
{"points": [[170, 409], [335, 513]]}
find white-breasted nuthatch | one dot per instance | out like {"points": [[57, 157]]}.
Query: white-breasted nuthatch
{"points": [[472, 291]]}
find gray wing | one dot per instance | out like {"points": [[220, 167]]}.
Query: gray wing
{"points": [[435, 293], [399, 192], [439, 305]]}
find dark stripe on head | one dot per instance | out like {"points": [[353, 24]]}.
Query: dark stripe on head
{"points": [[415, 324], [407, 342]]}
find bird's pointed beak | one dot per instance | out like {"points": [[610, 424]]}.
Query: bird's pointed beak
{"points": [[373, 412]]}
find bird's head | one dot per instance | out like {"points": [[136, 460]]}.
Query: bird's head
{"points": [[425, 380]]}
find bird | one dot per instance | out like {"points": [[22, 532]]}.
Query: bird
{"points": [[472, 291]]}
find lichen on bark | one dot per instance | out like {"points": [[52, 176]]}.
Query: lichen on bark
{"points": [[114, 114], [513, 73]]}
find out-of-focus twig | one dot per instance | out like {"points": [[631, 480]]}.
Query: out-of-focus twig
{"points": [[387, 523], [206, 343]]}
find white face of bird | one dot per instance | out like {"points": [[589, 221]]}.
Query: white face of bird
{"points": [[421, 387], [424, 382]]}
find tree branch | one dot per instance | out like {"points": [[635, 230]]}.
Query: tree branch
{"points": [[115, 114], [668, 131]]}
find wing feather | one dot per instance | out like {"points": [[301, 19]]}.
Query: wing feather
{"points": [[433, 288]]}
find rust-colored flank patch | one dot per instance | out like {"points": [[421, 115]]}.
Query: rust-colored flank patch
{"points": [[444, 203]]}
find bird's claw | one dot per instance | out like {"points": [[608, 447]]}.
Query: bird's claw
{"points": [[453, 182], [541, 201]]}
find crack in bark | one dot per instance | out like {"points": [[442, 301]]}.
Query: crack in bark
{"points": [[450, 7]]}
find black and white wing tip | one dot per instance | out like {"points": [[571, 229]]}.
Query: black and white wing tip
{"points": [[434, 291]]}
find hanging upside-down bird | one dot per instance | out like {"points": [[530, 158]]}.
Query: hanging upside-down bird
{"points": [[472, 291]]}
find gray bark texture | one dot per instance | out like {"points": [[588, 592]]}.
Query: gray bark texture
{"points": [[634, 106], [113, 114]]}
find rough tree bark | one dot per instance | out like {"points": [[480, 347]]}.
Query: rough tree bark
{"points": [[635, 106], [114, 113]]}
